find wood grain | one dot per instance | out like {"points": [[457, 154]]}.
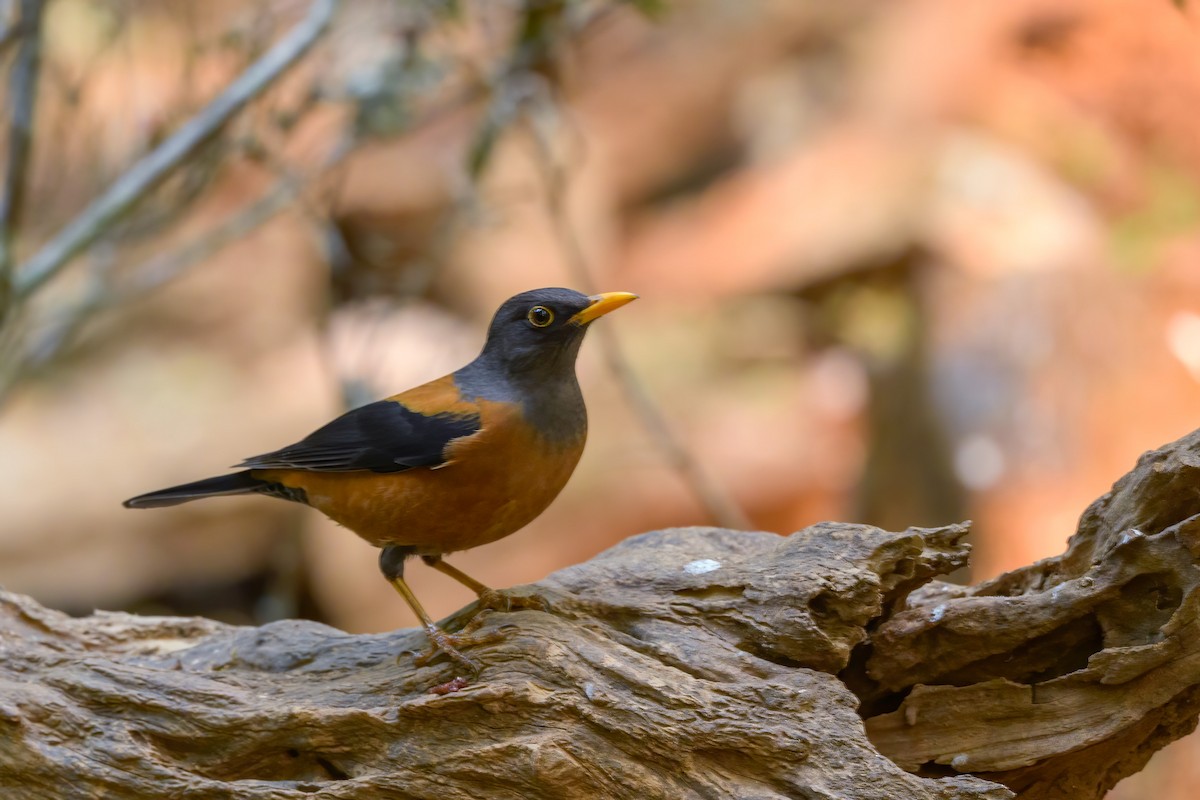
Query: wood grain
{"points": [[687, 663]]}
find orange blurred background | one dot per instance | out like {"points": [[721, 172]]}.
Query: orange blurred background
{"points": [[903, 263]]}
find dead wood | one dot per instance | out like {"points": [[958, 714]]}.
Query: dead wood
{"points": [[690, 663], [1060, 678]]}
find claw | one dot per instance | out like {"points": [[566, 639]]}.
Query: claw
{"points": [[495, 600], [450, 686], [448, 643]]}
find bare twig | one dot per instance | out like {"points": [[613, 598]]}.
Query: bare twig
{"points": [[161, 270], [721, 507], [288, 186], [101, 295], [22, 93], [10, 29], [164, 159]]}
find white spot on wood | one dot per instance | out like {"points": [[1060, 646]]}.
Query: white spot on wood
{"points": [[1130, 535], [938, 612], [701, 566], [959, 762]]}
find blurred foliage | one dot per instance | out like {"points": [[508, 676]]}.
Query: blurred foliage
{"points": [[1170, 210], [419, 63], [900, 263]]}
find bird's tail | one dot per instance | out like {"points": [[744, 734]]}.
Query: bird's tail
{"points": [[237, 483]]}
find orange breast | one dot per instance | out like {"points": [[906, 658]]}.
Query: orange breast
{"points": [[494, 483]]}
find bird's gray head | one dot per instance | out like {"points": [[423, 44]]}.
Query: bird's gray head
{"points": [[538, 333]]}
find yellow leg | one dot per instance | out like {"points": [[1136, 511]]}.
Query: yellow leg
{"points": [[458, 575], [488, 597], [401, 586], [445, 642]]}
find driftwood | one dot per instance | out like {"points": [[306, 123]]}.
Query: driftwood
{"points": [[1060, 678], [691, 663]]}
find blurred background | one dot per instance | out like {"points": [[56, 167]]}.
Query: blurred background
{"points": [[900, 263]]}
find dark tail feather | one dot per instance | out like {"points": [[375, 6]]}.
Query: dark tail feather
{"points": [[237, 483]]}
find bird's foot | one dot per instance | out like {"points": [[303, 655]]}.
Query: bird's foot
{"points": [[451, 686], [449, 644], [500, 600]]}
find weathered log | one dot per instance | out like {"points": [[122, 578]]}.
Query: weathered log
{"points": [[686, 663], [1060, 678]]}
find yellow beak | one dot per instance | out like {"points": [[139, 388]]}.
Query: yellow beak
{"points": [[602, 304]]}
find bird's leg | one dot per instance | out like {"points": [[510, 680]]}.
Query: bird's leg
{"points": [[488, 598], [391, 563]]}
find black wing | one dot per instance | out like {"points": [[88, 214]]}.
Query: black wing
{"points": [[384, 436]]}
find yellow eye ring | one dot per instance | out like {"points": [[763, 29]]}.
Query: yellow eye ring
{"points": [[540, 316]]}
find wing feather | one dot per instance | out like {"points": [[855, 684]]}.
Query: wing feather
{"points": [[384, 436]]}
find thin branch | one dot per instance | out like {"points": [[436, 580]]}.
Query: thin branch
{"points": [[22, 93], [163, 160], [166, 268], [721, 507], [12, 29], [100, 295], [288, 186]]}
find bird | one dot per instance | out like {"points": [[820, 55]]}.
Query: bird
{"points": [[455, 463]]}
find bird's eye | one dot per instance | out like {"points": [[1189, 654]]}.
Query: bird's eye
{"points": [[540, 316]]}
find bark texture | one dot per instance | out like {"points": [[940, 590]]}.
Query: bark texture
{"points": [[689, 663], [1060, 678]]}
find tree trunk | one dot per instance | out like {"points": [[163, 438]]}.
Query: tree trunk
{"points": [[690, 663]]}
